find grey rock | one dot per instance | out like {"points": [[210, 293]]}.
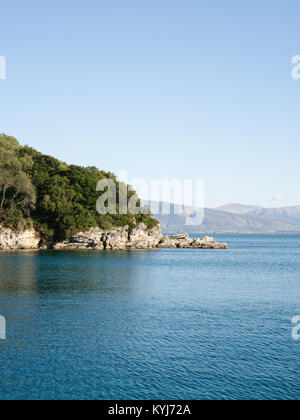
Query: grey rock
{"points": [[184, 241], [141, 238], [117, 239], [92, 239], [10, 240]]}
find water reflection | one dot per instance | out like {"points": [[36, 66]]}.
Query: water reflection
{"points": [[68, 271], [18, 275]]}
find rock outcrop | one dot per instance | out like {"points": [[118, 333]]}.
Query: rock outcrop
{"points": [[138, 238], [10, 240], [184, 241], [117, 239]]}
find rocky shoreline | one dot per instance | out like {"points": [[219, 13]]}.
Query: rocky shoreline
{"points": [[118, 239]]}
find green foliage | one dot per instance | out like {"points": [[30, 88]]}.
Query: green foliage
{"points": [[16, 190], [60, 199]]}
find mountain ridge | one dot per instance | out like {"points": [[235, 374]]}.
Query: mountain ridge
{"points": [[220, 220]]}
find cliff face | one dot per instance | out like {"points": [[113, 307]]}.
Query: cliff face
{"points": [[10, 240], [118, 239]]}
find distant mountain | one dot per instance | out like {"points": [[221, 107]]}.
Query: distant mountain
{"points": [[235, 218], [237, 208], [288, 214]]}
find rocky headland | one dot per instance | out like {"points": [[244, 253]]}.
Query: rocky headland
{"points": [[44, 200], [97, 239]]}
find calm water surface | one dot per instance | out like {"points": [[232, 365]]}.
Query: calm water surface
{"points": [[166, 324]]}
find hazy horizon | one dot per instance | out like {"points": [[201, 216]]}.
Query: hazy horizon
{"points": [[238, 204]]}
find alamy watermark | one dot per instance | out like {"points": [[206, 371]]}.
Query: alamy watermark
{"points": [[296, 328], [296, 68], [186, 194], [2, 328], [2, 67]]}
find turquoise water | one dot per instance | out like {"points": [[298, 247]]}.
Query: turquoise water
{"points": [[164, 324]]}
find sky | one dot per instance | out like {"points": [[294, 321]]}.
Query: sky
{"points": [[161, 89]]}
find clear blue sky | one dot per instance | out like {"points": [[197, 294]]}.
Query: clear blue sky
{"points": [[161, 88]]}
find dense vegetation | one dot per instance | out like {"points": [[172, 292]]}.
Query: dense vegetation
{"points": [[55, 198]]}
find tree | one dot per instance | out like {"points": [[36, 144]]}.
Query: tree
{"points": [[16, 189], [59, 198]]}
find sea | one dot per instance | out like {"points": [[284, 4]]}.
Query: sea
{"points": [[161, 324]]}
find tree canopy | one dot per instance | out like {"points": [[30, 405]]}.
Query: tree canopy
{"points": [[17, 192], [56, 198]]}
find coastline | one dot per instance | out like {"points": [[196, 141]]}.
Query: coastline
{"points": [[239, 233], [139, 238]]}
